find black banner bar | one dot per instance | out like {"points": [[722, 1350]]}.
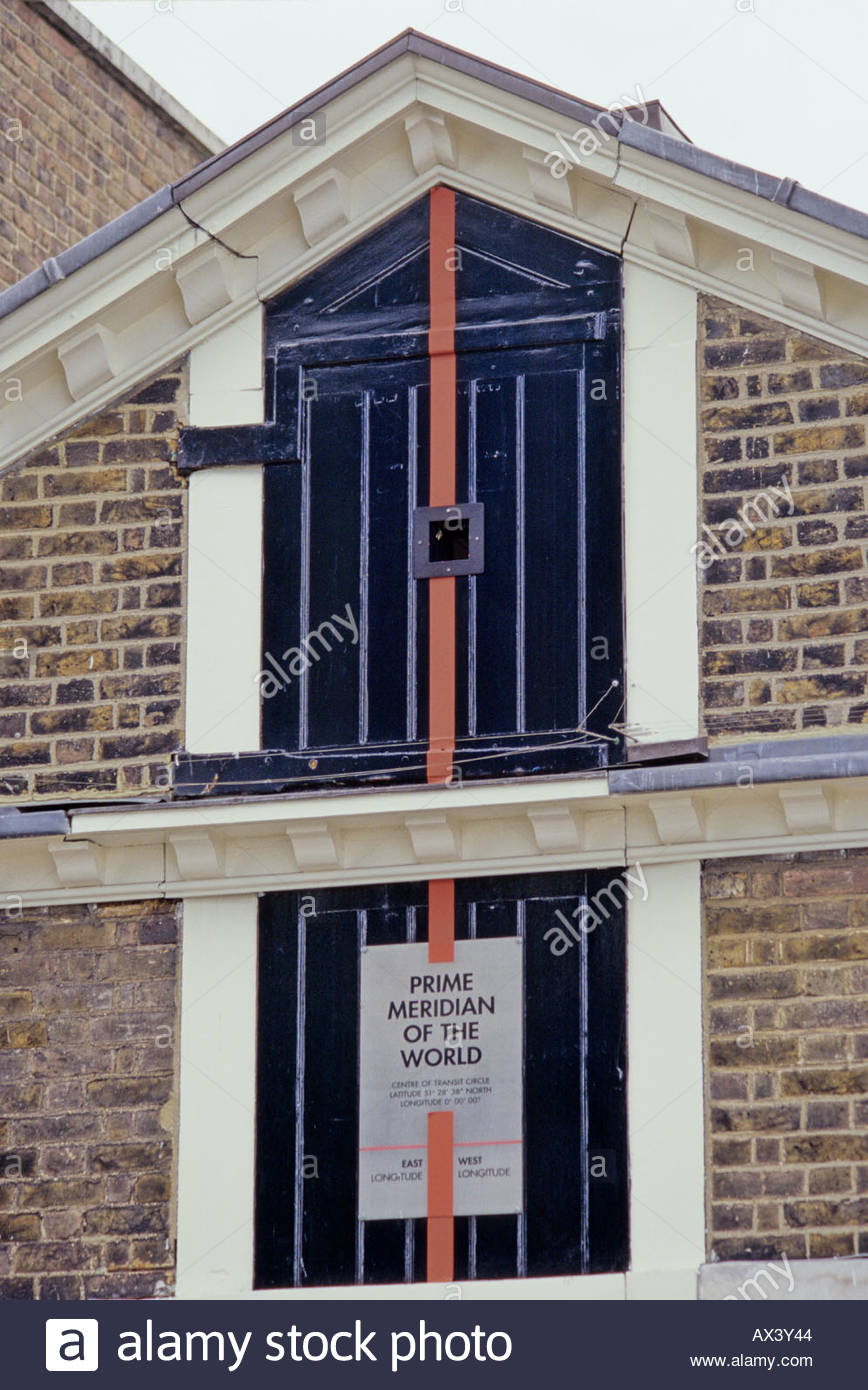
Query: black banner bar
{"points": [[420, 1342]]}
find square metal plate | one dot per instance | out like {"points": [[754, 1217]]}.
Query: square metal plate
{"points": [[464, 523]]}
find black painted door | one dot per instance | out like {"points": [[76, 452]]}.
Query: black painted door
{"points": [[575, 1204], [339, 579], [344, 680]]}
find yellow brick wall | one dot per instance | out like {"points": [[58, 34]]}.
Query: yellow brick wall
{"points": [[785, 605], [786, 982], [88, 999], [77, 148], [92, 535]]}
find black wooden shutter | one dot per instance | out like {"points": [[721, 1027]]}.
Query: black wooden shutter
{"points": [[538, 409], [539, 629], [575, 1213], [336, 533]]}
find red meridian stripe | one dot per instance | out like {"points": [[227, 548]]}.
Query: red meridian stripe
{"points": [[443, 375], [441, 686], [441, 352], [441, 1236], [441, 921], [441, 1127], [441, 679]]}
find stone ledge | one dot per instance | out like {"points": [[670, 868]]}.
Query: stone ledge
{"points": [[784, 1281]]}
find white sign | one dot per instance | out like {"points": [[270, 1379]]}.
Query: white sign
{"points": [[441, 1037]]}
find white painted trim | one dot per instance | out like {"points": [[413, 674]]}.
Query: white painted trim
{"points": [[660, 507], [224, 591], [844, 1278], [228, 364], [664, 1071], [705, 200], [202, 849], [662, 1285], [211, 278], [750, 291], [217, 1088], [573, 1288], [224, 609], [486, 798]]}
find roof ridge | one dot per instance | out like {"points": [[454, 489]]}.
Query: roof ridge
{"points": [[630, 132]]}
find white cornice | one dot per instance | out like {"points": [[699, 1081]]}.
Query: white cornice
{"points": [[734, 210], [193, 849], [136, 299]]}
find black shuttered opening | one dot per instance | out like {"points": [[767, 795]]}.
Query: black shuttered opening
{"points": [[575, 1204]]}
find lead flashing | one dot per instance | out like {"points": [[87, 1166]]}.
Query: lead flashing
{"points": [[116, 231], [785, 191], [789, 760], [16, 825]]}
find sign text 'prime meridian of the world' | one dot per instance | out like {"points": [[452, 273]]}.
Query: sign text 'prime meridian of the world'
{"points": [[447, 1003], [444, 1038]]}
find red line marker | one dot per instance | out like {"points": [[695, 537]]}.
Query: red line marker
{"points": [[441, 686], [441, 590], [441, 1226], [441, 1126], [441, 921]]}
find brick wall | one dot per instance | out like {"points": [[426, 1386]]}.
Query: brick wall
{"points": [[786, 970], [77, 147], [91, 605], [87, 1079], [785, 607]]}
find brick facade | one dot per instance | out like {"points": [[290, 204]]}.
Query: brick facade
{"points": [[785, 606], [77, 146], [786, 979], [91, 605], [87, 1085]]}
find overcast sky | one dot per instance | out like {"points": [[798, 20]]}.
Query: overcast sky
{"points": [[778, 84]]}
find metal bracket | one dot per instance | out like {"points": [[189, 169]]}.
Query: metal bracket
{"points": [[457, 530]]}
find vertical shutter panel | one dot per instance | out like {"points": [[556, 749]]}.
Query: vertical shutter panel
{"points": [[608, 1214], [489, 633], [281, 587], [522, 643], [337, 530], [335, 469], [329, 1098], [275, 1177], [555, 1052], [553, 522], [574, 1085]]}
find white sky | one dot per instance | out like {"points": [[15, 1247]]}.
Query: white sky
{"points": [[778, 84]]}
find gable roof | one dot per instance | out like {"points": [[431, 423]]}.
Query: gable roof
{"points": [[250, 219], [172, 194], [656, 135]]}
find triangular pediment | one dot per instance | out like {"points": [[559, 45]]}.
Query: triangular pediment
{"points": [[260, 217], [396, 284], [499, 260]]}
